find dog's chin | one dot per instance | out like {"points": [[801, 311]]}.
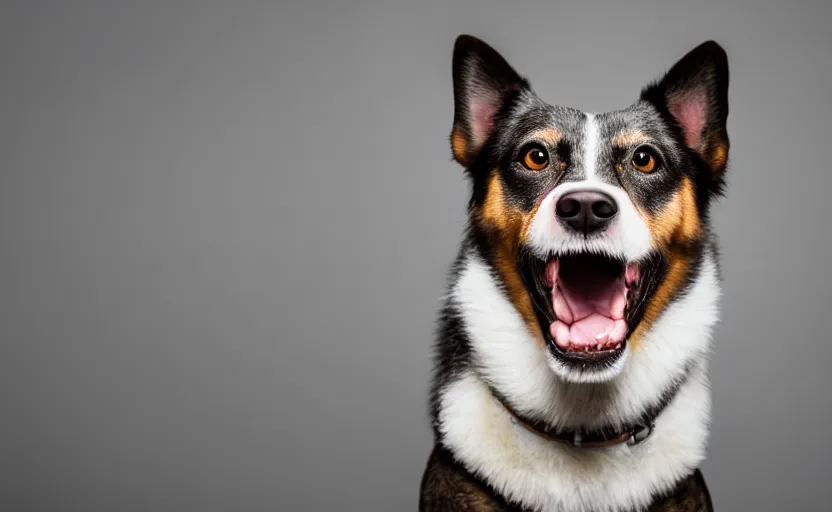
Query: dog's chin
{"points": [[577, 373], [587, 305]]}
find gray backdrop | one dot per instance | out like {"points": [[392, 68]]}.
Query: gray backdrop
{"points": [[225, 231]]}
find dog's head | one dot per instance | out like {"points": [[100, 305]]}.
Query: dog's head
{"points": [[592, 223]]}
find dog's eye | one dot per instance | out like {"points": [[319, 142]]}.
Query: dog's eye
{"points": [[643, 160], [535, 158]]}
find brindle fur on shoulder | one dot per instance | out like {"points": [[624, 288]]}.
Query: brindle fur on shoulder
{"points": [[572, 352]]}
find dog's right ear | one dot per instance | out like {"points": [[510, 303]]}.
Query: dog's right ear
{"points": [[483, 81]]}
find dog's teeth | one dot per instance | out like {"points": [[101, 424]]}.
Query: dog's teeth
{"points": [[617, 346]]}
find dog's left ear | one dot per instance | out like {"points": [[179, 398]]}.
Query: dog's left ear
{"points": [[483, 82], [694, 95]]}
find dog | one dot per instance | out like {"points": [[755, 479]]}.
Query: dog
{"points": [[573, 345]]}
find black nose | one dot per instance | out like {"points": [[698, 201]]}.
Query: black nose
{"points": [[585, 212]]}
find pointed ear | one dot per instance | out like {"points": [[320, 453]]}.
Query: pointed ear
{"points": [[694, 94], [483, 81]]}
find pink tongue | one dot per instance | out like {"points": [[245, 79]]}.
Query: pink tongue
{"points": [[586, 331], [590, 313]]}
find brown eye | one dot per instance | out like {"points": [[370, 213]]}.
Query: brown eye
{"points": [[644, 161], [535, 158]]}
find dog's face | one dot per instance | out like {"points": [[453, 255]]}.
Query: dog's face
{"points": [[592, 223]]}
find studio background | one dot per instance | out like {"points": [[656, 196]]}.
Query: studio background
{"points": [[225, 230]]}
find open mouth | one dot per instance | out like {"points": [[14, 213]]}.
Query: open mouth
{"points": [[587, 305]]}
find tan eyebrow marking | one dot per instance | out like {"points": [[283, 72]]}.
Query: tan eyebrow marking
{"points": [[628, 138], [548, 135]]}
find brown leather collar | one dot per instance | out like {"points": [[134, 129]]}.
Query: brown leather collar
{"points": [[596, 439], [600, 438]]}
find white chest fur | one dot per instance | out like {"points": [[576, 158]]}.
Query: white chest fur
{"points": [[546, 475]]}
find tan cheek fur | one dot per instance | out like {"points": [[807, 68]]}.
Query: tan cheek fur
{"points": [[672, 228], [506, 227]]}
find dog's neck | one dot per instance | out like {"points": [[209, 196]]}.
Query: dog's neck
{"points": [[541, 474], [631, 434]]}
